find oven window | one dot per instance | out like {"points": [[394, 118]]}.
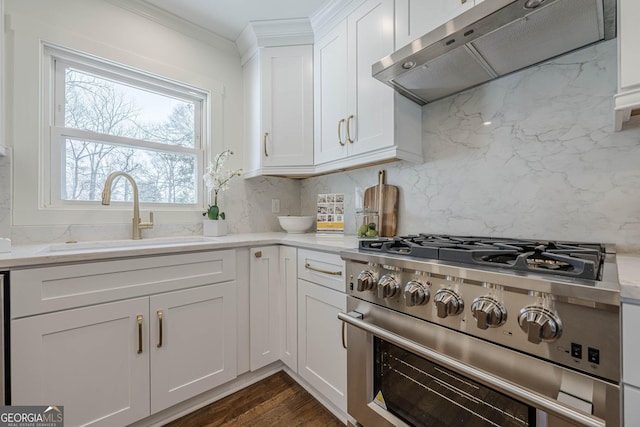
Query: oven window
{"points": [[424, 394]]}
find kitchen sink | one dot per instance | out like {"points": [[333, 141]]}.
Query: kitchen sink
{"points": [[104, 245]]}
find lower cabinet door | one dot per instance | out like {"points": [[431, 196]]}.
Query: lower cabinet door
{"points": [[265, 301], [322, 360], [94, 361], [192, 341], [631, 405], [289, 311]]}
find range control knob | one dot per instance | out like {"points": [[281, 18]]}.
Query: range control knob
{"points": [[448, 303], [488, 312], [387, 286], [540, 324], [415, 293], [366, 281]]}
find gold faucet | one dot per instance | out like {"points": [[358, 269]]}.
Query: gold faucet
{"points": [[106, 200]]}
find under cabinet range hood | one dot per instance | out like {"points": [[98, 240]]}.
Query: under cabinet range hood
{"points": [[494, 38]]}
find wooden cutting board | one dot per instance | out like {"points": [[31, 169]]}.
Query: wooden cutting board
{"points": [[384, 199]]}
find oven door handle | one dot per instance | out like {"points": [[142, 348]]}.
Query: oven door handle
{"points": [[528, 397]]}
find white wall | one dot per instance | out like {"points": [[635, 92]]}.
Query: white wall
{"points": [[549, 166], [102, 29], [105, 30]]}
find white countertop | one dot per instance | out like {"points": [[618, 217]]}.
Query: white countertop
{"points": [[32, 255], [22, 256]]}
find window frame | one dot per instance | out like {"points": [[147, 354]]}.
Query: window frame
{"points": [[57, 61]]}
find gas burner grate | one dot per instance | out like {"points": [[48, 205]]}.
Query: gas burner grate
{"points": [[580, 260]]}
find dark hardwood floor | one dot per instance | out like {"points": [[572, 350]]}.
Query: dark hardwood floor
{"points": [[275, 401]]}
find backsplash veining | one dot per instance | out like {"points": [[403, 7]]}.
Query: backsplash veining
{"points": [[547, 166], [247, 204]]}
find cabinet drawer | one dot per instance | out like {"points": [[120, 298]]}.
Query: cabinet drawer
{"points": [[48, 289], [323, 268]]}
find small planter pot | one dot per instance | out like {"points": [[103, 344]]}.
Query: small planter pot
{"points": [[214, 227]]}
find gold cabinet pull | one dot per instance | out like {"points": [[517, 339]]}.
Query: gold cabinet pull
{"points": [[264, 143], [258, 254], [159, 313], [139, 318], [333, 273], [349, 129], [344, 341], [340, 132]]}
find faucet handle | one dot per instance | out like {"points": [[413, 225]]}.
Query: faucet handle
{"points": [[146, 224]]}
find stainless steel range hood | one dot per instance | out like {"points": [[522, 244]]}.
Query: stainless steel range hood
{"points": [[494, 38]]}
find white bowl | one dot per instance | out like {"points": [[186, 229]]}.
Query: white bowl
{"points": [[296, 224]]}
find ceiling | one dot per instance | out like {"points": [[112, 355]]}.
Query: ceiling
{"points": [[227, 18]]}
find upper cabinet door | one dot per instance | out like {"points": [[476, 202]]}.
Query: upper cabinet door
{"points": [[628, 97], [358, 119], [370, 120], [278, 113], [330, 63], [415, 18], [630, 32], [287, 105]]}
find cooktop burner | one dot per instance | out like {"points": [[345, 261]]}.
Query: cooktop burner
{"points": [[580, 260]]}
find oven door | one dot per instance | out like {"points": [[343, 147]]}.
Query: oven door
{"points": [[405, 371]]}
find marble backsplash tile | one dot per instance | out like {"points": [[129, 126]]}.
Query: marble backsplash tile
{"points": [[247, 204], [547, 166]]}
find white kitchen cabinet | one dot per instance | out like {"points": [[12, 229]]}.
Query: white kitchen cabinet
{"points": [[279, 111], [192, 342], [289, 312], [630, 366], [86, 336], [86, 359], [322, 359], [330, 64], [630, 344], [324, 268], [415, 18], [631, 409], [628, 97], [264, 306], [98, 361], [359, 120]]}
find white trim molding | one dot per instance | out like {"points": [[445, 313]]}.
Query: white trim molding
{"points": [[174, 22], [281, 32]]}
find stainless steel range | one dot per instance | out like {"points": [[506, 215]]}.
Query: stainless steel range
{"points": [[448, 331]]}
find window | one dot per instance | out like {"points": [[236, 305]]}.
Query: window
{"points": [[107, 118]]}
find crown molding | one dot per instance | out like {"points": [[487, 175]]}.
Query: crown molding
{"points": [[280, 32], [330, 13], [169, 20]]}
